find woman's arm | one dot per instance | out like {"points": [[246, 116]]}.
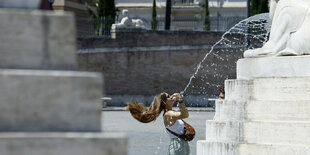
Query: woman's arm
{"points": [[183, 111]]}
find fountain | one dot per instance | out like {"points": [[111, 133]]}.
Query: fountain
{"points": [[266, 109]]}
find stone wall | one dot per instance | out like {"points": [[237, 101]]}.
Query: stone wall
{"points": [[148, 62]]}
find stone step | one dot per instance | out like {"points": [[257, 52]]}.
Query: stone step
{"points": [[205, 147], [38, 100], [271, 89], [273, 149], [295, 66], [229, 131], [230, 110], [263, 110], [276, 132], [298, 110], [33, 39], [63, 143], [237, 90]]}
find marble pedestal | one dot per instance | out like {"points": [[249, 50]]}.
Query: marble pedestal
{"points": [[265, 111]]}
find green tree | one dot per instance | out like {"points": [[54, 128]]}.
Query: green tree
{"points": [[103, 17], [207, 22], [168, 15], [154, 14], [258, 6]]}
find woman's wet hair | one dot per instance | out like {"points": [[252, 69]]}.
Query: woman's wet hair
{"points": [[147, 114]]}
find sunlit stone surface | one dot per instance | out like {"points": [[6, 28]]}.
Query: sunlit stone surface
{"points": [[265, 111], [290, 33]]}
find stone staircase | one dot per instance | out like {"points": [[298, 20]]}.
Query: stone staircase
{"points": [[47, 107], [261, 115]]}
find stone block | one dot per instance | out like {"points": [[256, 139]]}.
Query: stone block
{"points": [[237, 89], [228, 131], [277, 132], [63, 144], [273, 149], [262, 110], [205, 147], [230, 110], [281, 89], [270, 89], [278, 110], [33, 39], [43, 100], [295, 66]]}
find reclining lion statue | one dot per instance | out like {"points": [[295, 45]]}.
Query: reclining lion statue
{"points": [[290, 30], [127, 22]]}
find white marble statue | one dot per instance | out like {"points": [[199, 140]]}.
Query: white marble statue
{"points": [[127, 22], [290, 30]]}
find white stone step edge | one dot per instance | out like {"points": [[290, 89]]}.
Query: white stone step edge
{"points": [[231, 131], [276, 89], [288, 66], [273, 149], [298, 110], [207, 147], [233, 110], [254, 110], [237, 89], [284, 132]]}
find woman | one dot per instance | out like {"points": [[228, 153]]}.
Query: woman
{"points": [[172, 119]]}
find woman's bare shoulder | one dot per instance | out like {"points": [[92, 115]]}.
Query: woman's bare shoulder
{"points": [[169, 113]]}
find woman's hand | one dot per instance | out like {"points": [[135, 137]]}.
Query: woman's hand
{"points": [[176, 97]]}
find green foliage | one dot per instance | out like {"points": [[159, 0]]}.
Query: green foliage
{"points": [[207, 22], [103, 17], [154, 14], [258, 6]]}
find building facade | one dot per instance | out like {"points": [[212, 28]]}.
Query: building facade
{"points": [[188, 14], [185, 14]]}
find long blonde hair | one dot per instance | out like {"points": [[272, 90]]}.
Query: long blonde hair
{"points": [[145, 115]]}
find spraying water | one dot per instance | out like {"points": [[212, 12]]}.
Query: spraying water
{"points": [[254, 29], [253, 32]]}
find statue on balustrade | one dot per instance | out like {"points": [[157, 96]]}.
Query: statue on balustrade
{"points": [[127, 22]]}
